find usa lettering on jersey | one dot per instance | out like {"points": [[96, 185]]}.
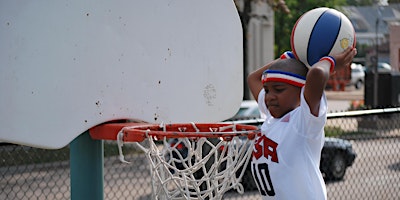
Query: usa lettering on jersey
{"points": [[264, 147], [267, 148]]}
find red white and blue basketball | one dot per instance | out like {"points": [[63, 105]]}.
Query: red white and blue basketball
{"points": [[321, 32]]}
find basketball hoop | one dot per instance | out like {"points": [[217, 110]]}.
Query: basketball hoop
{"points": [[189, 161]]}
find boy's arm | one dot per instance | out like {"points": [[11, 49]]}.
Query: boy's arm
{"points": [[318, 76], [254, 80]]}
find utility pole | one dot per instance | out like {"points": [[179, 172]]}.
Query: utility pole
{"points": [[375, 68]]}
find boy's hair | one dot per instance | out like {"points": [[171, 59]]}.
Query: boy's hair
{"points": [[290, 65]]}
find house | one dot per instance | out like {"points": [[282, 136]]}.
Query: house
{"points": [[373, 23]]}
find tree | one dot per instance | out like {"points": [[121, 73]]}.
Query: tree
{"points": [[361, 2], [284, 21]]}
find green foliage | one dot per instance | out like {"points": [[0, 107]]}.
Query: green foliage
{"points": [[333, 131], [284, 22], [360, 2], [14, 155], [337, 131]]}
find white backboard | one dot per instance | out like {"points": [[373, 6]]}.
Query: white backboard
{"points": [[66, 66]]}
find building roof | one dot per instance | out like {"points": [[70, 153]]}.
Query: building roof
{"points": [[364, 19]]}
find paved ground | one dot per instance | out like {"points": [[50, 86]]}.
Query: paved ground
{"points": [[341, 100], [349, 94]]}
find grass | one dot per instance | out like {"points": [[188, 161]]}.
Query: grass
{"points": [[335, 131], [13, 155]]}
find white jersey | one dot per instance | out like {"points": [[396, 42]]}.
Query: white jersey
{"points": [[286, 157]]}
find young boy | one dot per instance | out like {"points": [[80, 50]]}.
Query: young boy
{"points": [[286, 156]]}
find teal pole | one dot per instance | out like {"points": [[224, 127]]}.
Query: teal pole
{"points": [[86, 168]]}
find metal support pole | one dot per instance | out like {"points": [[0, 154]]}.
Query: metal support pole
{"points": [[375, 69], [86, 166]]}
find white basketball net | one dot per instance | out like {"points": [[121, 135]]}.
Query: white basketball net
{"points": [[196, 168]]}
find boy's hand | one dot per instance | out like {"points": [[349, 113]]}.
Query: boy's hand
{"points": [[345, 58]]}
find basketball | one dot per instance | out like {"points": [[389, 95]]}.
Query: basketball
{"points": [[321, 32]]}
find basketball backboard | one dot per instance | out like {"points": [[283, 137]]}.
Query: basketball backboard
{"points": [[68, 66]]}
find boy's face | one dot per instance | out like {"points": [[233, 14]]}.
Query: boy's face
{"points": [[281, 98]]}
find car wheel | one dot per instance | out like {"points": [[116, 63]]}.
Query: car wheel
{"points": [[248, 181], [358, 84], [337, 167]]}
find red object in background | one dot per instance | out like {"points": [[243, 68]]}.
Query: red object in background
{"points": [[339, 80]]}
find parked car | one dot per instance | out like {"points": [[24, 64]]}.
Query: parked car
{"points": [[382, 67], [336, 156], [357, 75], [248, 110]]}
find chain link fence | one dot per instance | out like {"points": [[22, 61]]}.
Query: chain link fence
{"points": [[32, 173]]}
